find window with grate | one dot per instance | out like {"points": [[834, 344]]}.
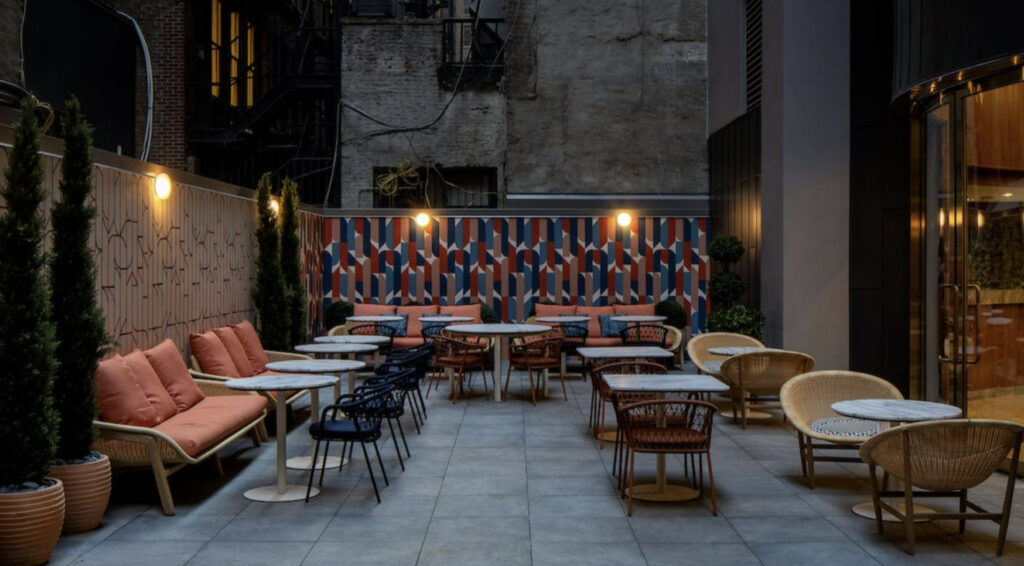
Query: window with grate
{"points": [[435, 187], [753, 37]]}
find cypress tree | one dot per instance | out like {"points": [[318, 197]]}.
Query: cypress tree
{"points": [[269, 294], [28, 421], [77, 318], [291, 264]]}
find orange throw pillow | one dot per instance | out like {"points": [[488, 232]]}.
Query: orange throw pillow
{"points": [[235, 349], [246, 334], [634, 310], [554, 310], [120, 398], [366, 309], [211, 354], [594, 326], [415, 327], [463, 310], [151, 385], [173, 374]]}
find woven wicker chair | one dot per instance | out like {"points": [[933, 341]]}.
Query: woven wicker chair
{"points": [[536, 355], [944, 459], [807, 402], [375, 329], [756, 375], [697, 349], [601, 395], [670, 426], [644, 335], [457, 355]]}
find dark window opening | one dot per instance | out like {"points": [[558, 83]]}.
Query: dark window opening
{"points": [[435, 187]]}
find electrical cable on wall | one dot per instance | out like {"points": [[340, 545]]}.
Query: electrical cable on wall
{"points": [[148, 137]]}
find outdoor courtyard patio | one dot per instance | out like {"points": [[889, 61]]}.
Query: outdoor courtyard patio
{"points": [[513, 483]]}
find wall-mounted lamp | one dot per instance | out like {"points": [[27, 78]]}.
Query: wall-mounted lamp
{"points": [[275, 207], [162, 186], [981, 219], [422, 219], [624, 219]]}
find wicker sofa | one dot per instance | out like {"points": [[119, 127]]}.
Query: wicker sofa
{"points": [[153, 413]]}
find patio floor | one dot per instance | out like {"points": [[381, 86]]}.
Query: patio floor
{"points": [[516, 484]]}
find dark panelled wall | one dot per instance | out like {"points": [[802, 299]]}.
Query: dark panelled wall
{"points": [[934, 37], [735, 164], [879, 201]]}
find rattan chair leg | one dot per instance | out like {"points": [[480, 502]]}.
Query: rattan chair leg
{"points": [[1008, 497], [160, 475], [875, 500], [810, 462], [533, 390], [632, 470], [908, 497], [962, 523]]}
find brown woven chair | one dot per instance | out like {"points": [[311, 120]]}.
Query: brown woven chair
{"points": [[697, 349], [644, 335], [457, 355], [670, 426], [600, 394], [536, 355], [618, 400], [754, 376], [944, 459], [375, 329], [807, 403]]}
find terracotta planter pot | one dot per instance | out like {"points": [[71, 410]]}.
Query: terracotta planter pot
{"points": [[30, 524], [87, 491]]}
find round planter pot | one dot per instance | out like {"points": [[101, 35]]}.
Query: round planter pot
{"points": [[87, 491], [30, 524]]}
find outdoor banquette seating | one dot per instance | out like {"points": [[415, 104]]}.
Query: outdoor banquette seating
{"points": [[807, 402], [153, 413], [412, 334], [230, 352]]}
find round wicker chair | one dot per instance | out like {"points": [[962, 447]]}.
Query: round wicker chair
{"points": [[807, 403], [697, 349], [944, 459], [756, 375]]}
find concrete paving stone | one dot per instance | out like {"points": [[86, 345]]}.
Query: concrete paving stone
{"points": [[704, 554], [484, 485], [156, 553], [484, 530], [481, 506], [576, 506], [591, 554], [486, 468], [786, 529], [345, 528], [708, 529], [301, 525], [758, 506], [489, 453], [198, 527], [476, 554], [812, 554], [581, 529], [395, 552], [489, 441], [572, 485], [248, 553]]}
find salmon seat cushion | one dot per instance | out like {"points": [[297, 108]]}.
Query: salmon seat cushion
{"points": [[464, 310], [634, 310], [235, 349], [211, 420], [120, 398], [211, 354], [366, 309], [173, 374], [151, 385], [594, 325], [246, 334], [554, 310]]}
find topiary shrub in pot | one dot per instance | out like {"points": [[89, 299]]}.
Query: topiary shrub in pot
{"points": [[31, 505], [79, 326], [725, 288], [291, 264], [739, 319], [673, 312]]}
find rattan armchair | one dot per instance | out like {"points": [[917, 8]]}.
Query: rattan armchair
{"points": [[697, 348], [807, 403], [537, 355], [943, 459], [754, 376], [457, 355]]}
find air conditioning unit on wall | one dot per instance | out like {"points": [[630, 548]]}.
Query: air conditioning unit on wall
{"points": [[374, 8]]}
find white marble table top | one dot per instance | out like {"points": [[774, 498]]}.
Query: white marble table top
{"points": [[375, 318], [315, 366], [665, 383], [352, 339], [562, 319], [625, 352], [638, 318], [280, 382], [896, 410], [736, 350], [336, 348], [499, 329], [445, 318], [714, 366]]}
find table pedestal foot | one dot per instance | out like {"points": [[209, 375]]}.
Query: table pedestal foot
{"points": [[270, 493], [867, 510], [668, 492], [751, 415], [610, 435], [306, 462]]}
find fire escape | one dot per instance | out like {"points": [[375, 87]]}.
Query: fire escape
{"points": [[473, 48], [262, 93]]}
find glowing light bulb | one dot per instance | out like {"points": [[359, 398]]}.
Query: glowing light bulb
{"points": [[162, 186], [275, 207], [624, 219], [422, 219]]}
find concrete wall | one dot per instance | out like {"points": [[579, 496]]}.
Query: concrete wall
{"points": [[727, 71], [620, 98], [805, 177], [389, 70]]}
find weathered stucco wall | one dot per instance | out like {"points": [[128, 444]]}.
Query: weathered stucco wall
{"points": [[389, 70], [608, 97]]}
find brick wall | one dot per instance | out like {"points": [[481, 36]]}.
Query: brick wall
{"points": [[163, 24], [10, 35], [389, 70]]}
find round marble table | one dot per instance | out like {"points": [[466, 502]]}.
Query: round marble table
{"points": [[638, 318], [281, 491], [736, 350], [352, 339], [502, 331], [570, 319], [375, 318], [897, 411], [443, 318], [318, 366], [345, 348]]}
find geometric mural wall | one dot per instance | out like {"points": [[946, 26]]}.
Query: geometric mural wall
{"points": [[511, 263]]}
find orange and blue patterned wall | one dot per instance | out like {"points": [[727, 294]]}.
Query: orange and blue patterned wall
{"points": [[511, 263]]}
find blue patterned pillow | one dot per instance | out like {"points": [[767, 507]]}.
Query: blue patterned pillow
{"points": [[582, 325], [611, 328], [400, 326]]}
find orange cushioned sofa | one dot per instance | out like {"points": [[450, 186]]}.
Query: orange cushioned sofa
{"points": [[153, 413], [414, 326]]}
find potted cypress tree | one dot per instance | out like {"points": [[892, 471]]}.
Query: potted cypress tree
{"points": [[31, 505], [268, 296], [291, 264], [79, 325]]}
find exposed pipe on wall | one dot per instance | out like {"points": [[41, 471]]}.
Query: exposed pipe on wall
{"points": [[148, 137]]}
